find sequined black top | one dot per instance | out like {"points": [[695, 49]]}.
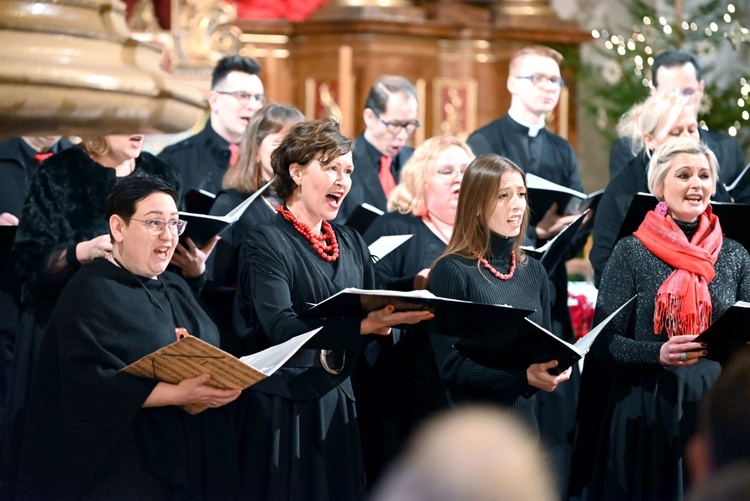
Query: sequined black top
{"points": [[633, 269]]}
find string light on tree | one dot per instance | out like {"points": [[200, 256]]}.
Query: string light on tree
{"points": [[623, 78]]}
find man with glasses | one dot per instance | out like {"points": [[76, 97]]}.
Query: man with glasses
{"points": [[380, 151], [680, 70], [236, 94], [535, 85]]}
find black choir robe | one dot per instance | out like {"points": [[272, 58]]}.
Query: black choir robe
{"points": [[87, 435], [221, 266], [299, 432], [201, 160], [396, 382]]}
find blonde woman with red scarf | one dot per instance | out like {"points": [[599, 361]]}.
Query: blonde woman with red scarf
{"points": [[645, 374]]}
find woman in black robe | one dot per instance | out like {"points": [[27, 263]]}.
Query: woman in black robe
{"points": [[94, 432], [396, 382], [63, 225], [299, 429]]}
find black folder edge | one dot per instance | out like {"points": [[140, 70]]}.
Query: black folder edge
{"points": [[7, 237], [453, 317], [527, 343], [198, 201], [728, 333], [569, 201], [551, 256], [362, 217], [203, 227], [732, 217]]}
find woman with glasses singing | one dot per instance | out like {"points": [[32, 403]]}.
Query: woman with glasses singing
{"points": [[299, 427], [402, 386], [64, 226], [94, 432]]}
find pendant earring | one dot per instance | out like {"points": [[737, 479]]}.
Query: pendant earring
{"points": [[662, 208]]}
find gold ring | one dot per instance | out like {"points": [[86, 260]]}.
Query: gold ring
{"points": [[213, 403]]}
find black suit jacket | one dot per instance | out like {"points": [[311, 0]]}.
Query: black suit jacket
{"points": [[200, 160], [366, 186]]}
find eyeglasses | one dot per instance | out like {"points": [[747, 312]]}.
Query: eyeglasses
{"points": [[155, 227], [243, 97], [395, 127], [541, 81], [449, 174]]}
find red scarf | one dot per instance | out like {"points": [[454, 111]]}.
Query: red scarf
{"points": [[683, 304]]}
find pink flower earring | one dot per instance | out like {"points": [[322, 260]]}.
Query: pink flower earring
{"points": [[662, 208]]}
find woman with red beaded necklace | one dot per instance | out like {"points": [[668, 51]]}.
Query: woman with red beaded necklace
{"points": [[484, 264], [299, 427]]}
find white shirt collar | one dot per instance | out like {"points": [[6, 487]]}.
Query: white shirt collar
{"points": [[533, 128]]}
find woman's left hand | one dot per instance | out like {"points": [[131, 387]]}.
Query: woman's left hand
{"points": [[192, 260], [681, 351], [380, 321], [538, 377]]}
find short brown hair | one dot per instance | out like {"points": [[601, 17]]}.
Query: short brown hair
{"points": [[476, 203], [307, 141], [535, 50]]}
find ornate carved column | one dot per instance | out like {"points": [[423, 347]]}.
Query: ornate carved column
{"points": [[71, 67]]}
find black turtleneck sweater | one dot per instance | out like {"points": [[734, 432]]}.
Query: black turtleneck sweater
{"points": [[458, 278]]}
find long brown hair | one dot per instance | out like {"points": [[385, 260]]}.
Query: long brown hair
{"points": [[245, 174], [476, 203]]}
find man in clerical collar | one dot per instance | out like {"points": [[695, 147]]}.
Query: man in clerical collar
{"points": [[535, 84], [236, 94], [380, 152]]}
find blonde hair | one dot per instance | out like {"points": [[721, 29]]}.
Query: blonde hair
{"points": [[535, 50], [409, 197], [95, 145], [660, 111], [245, 174], [661, 160]]}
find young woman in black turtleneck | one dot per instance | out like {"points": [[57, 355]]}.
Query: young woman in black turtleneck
{"points": [[484, 264]]}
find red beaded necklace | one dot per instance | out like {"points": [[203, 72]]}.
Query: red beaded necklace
{"points": [[499, 275], [327, 251]]}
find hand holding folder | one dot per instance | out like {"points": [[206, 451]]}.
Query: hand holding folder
{"points": [[190, 357], [527, 343]]}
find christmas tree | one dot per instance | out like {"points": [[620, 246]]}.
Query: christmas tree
{"points": [[622, 77]]}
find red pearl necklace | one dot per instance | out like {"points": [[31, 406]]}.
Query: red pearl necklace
{"points": [[327, 251], [499, 275]]}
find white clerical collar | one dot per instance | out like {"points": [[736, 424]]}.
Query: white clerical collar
{"points": [[533, 129]]}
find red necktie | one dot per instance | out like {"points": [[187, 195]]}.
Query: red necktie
{"points": [[385, 175], [234, 153], [41, 157]]}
